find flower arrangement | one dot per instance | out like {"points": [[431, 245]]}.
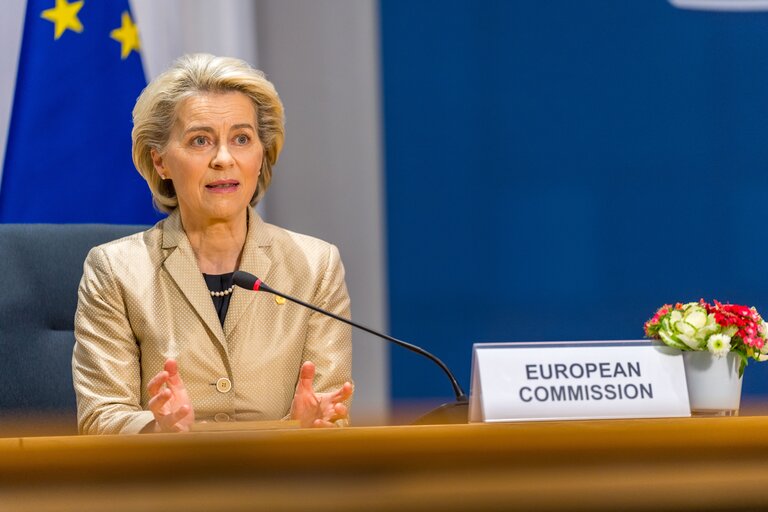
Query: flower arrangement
{"points": [[718, 328]]}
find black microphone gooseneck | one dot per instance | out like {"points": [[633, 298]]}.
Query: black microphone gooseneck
{"points": [[251, 282]]}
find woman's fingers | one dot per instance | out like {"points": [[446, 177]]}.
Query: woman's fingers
{"points": [[318, 409], [170, 374], [172, 422], [175, 417], [338, 412], [156, 383], [341, 411], [158, 401], [329, 413], [306, 377], [341, 394], [169, 401], [346, 391], [172, 367]]}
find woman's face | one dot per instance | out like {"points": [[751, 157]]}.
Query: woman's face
{"points": [[213, 156]]}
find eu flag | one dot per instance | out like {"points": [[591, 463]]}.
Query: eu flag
{"points": [[68, 157]]}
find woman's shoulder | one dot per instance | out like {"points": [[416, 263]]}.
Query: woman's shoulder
{"points": [[299, 262], [131, 249], [145, 238], [282, 239]]}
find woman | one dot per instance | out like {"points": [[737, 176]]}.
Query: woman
{"points": [[163, 338]]}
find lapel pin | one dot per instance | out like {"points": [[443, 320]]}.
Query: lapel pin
{"points": [[279, 300]]}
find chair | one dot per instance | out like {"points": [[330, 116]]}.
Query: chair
{"points": [[41, 266]]}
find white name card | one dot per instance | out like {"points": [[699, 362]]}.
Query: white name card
{"points": [[576, 380]]}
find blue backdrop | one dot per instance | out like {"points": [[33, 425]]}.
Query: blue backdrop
{"points": [[558, 170]]}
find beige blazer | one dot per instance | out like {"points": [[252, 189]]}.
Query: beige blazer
{"points": [[143, 299]]}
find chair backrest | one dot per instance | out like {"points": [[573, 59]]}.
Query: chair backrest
{"points": [[40, 268]]}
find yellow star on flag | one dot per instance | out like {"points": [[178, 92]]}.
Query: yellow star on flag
{"points": [[64, 16], [127, 35]]}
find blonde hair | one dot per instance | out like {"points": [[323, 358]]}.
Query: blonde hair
{"points": [[156, 109]]}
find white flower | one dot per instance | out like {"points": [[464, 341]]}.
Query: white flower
{"points": [[688, 327], [719, 344]]}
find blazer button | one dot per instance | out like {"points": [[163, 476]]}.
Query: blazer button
{"points": [[221, 417], [223, 385]]}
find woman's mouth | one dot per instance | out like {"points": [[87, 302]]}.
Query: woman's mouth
{"points": [[223, 186]]}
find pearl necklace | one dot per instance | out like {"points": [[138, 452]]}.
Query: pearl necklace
{"points": [[223, 293]]}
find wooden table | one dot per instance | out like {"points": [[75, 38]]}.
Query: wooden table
{"points": [[662, 464]]}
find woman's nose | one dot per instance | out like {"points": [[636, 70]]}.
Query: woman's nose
{"points": [[222, 159]]}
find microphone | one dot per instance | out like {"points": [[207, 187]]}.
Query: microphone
{"points": [[456, 412]]}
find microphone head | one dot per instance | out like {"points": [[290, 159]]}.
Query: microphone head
{"points": [[246, 280]]}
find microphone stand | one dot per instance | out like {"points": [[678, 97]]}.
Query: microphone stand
{"points": [[451, 412]]}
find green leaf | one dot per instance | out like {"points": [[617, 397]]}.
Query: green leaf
{"points": [[672, 341], [743, 363]]}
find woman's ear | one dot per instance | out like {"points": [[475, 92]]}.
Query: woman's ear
{"points": [[157, 161]]}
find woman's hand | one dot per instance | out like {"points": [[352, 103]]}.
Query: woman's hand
{"points": [[318, 409], [169, 400]]}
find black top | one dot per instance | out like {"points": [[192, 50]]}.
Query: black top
{"points": [[219, 283]]}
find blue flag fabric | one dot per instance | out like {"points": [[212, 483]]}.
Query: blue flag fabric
{"points": [[68, 157]]}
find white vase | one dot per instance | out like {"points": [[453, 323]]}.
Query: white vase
{"points": [[714, 385]]}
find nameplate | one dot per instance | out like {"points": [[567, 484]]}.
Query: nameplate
{"points": [[576, 380]]}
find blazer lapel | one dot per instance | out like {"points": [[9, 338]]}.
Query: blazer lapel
{"points": [[182, 267], [254, 261]]}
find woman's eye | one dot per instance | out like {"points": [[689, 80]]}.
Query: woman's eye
{"points": [[199, 141], [242, 139]]}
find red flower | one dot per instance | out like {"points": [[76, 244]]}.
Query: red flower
{"points": [[732, 314]]}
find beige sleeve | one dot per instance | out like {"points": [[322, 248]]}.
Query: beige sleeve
{"points": [[329, 341], [106, 367]]}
